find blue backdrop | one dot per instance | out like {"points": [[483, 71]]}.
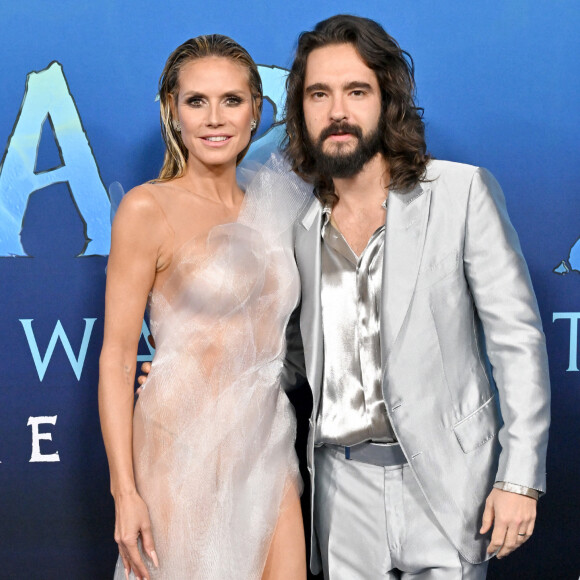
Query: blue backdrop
{"points": [[499, 82]]}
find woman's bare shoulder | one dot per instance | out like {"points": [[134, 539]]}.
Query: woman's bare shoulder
{"points": [[141, 200], [141, 215]]}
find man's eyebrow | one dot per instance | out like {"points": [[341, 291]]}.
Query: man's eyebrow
{"points": [[317, 87], [357, 85], [347, 87]]}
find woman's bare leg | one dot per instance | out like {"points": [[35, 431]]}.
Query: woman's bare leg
{"points": [[287, 556]]}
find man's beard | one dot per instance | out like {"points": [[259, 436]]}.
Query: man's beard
{"points": [[348, 164]]}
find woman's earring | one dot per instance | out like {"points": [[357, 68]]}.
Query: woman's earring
{"points": [[177, 126], [253, 125]]}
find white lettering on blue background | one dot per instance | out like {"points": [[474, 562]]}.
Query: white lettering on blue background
{"points": [[37, 436], [41, 363], [47, 95]]}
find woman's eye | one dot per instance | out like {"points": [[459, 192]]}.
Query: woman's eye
{"points": [[195, 102], [233, 101]]}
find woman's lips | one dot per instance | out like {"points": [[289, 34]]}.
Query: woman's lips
{"points": [[216, 140]]}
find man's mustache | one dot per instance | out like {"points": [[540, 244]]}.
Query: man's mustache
{"points": [[340, 128]]}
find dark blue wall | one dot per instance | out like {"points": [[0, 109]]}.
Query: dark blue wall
{"points": [[499, 82]]}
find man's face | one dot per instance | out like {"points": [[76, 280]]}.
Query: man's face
{"points": [[342, 110]]}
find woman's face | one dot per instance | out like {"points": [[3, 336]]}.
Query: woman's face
{"points": [[214, 108]]}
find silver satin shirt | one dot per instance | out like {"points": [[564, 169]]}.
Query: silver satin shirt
{"points": [[352, 409]]}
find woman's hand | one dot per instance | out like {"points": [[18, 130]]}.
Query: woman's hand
{"points": [[131, 521]]}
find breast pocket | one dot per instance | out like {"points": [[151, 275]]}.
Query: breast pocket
{"points": [[438, 269], [478, 427]]}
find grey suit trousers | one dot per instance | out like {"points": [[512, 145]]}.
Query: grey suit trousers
{"points": [[373, 522]]}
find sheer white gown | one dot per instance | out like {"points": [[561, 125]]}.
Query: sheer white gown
{"points": [[213, 430]]}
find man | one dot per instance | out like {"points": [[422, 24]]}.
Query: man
{"points": [[404, 261]]}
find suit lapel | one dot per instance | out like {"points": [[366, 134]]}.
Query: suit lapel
{"points": [[308, 258], [406, 226]]}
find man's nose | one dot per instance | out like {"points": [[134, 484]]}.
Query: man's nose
{"points": [[338, 110]]}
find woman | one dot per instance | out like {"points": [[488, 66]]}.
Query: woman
{"points": [[203, 470]]}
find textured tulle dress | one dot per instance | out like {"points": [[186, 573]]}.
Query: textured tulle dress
{"points": [[213, 430]]}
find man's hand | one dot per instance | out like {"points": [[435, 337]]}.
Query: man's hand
{"points": [[513, 516], [145, 369]]}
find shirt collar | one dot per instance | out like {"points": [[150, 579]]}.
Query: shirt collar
{"points": [[327, 212]]}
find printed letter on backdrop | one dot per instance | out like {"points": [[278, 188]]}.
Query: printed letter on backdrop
{"points": [[37, 456], [40, 363], [573, 317], [47, 96]]}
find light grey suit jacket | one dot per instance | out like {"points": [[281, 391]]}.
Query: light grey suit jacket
{"points": [[453, 267]]}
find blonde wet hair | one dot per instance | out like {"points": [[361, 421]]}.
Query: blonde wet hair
{"points": [[176, 153]]}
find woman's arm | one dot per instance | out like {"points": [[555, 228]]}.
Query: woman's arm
{"points": [[138, 233]]}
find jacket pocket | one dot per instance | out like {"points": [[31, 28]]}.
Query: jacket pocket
{"points": [[478, 427], [437, 270]]}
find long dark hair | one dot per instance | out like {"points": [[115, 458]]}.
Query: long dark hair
{"points": [[403, 141]]}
